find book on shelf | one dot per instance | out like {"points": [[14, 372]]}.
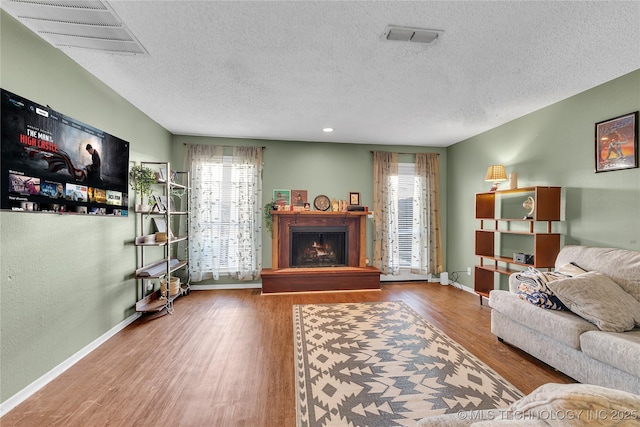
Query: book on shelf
{"points": [[164, 175], [160, 204]]}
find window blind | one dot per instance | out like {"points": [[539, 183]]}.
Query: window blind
{"points": [[406, 173], [217, 178]]}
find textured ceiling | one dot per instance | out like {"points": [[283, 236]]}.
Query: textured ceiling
{"points": [[286, 69]]}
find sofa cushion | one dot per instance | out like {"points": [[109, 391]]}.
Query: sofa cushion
{"points": [[563, 326], [532, 287], [580, 404], [598, 299], [620, 350], [621, 265]]}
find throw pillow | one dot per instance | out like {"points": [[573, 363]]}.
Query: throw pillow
{"points": [[598, 299], [533, 288]]}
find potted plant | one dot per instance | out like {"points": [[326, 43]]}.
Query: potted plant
{"points": [[141, 180], [268, 217]]}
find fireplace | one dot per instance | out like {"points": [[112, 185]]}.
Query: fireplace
{"points": [[318, 246], [319, 251]]}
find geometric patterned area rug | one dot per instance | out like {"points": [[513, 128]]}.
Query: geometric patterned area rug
{"points": [[381, 364]]}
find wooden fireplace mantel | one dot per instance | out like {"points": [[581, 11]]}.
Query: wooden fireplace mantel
{"points": [[356, 275]]}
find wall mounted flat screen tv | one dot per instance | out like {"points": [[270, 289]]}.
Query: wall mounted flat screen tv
{"points": [[54, 163]]}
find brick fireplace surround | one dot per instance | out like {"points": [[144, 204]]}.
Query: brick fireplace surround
{"points": [[356, 275]]}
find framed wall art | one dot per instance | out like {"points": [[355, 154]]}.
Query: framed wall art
{"points": [[354, 198], [282, 197], [298, 197], [616, 143]]}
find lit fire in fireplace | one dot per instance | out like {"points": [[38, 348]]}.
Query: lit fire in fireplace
{"points": [[319, 251], [318, 248]]}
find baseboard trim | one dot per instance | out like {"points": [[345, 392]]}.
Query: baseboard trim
{"points": [[226, 286], [467, 288], [32, 388]]}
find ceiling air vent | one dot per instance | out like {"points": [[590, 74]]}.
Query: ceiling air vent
{"points": [[89, 24], [409, 34]]}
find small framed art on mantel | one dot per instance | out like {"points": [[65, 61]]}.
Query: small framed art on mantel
{"points": [[298, 197], [354, 198], [282, 198], [616, 143]]}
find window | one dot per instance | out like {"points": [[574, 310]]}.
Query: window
{"points": [[406, 216], [225, 222], [406, 188], [216, 218]]}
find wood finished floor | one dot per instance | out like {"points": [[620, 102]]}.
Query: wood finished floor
{"points": [[225, 358]]}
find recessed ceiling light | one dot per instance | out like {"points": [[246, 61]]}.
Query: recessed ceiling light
{"points": [[327, 130]]}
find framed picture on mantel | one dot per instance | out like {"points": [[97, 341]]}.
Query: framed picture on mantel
{"points": [[298, 197], [282, 198], [617, 143], [354, 198]]}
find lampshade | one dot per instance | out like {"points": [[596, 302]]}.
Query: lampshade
{"points": [[496, 173]]}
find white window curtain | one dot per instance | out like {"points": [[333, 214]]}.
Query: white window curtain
{"points": [[225, 225], [426, 251], [407, 237], [386, 253]]}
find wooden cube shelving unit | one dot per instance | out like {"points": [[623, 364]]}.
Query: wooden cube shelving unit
{"points": [[546, 244]]}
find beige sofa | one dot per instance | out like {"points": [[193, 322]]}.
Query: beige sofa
{"points": [[601, 351], [606, 362]]}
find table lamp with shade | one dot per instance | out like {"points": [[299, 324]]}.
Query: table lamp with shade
{"points": [[495, 174]]}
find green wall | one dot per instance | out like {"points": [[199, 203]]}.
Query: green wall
{"points": [[553, 146], [319, 168], [65, 280]]}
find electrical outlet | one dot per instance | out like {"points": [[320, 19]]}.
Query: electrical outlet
{"points": [[469, 271]]}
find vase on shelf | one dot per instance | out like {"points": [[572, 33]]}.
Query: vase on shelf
{"points": [[143, 206]]}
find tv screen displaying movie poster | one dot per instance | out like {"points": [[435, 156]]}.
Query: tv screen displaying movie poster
{"points": [[54, 163]]}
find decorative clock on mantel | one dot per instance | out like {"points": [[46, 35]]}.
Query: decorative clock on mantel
{"points": [[322, 202]]}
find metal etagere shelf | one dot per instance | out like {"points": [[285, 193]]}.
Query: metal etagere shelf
{"points": [[163, 256]]}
